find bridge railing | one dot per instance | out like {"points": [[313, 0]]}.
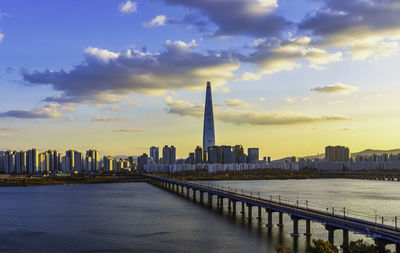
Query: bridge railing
{"points": [[340, 212]]}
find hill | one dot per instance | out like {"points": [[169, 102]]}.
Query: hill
{"points": [[361, 153]]}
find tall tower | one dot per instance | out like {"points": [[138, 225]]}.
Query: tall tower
{"points": [[208, 130]]}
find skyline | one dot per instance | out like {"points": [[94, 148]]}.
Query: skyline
{"points": [[121, 76]]}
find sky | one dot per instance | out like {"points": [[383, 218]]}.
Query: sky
{"points": [[289, 77]]}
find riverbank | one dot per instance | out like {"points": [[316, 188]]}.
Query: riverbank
{"points": [[273, 174], [33, 181], [243, 175]]}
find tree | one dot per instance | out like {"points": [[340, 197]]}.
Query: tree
{"points": [[283, 249], [360, 246], [321, 246]]}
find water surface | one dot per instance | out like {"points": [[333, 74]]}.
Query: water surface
{"points": [[133, 217]]}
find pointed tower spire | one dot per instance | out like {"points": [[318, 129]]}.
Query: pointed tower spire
{"points": [[208, 130]]}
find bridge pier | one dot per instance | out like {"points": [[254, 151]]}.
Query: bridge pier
{"points": [[243, 209], [209, 200], [187, 192], [201, 197], [381, 245], [345, 244], [250, 213], [331, 233], [194, 195], [259, 214], [308, 228], [269, 215], [295, 226], [229, 205], [221, 203], [233, 207], [397, 247], [280, 224]]}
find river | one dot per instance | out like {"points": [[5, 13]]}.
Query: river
{"points": [[138, 217]]}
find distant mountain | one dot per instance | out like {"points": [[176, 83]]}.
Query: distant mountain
{"points": [[378, 152], [367, 152]]}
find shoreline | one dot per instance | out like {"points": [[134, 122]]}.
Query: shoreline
{"points": [[41, 181], [198, 175]]}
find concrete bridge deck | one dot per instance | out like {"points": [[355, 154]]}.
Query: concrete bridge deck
{"points": [[383, 234]]}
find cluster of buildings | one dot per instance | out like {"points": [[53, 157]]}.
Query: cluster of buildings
{"points": [[339, 158], [34, 162], [214, 159]]}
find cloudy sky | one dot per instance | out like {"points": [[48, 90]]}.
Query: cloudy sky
{"points": [[120, 76]]}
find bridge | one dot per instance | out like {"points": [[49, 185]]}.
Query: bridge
{"points": [[381, 233]]}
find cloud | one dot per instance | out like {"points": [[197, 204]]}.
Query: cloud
{"points": [[257, 18], [275, 55], [51, 111], [364, 28], [345, 129], [101, 54], [235, 102], [1, 37], [159, 20], [183, 108], [248, 76], [128, 7], [335, 88], [105, 76], [273, 118], [104, 119], [128, 130], [262, 99]]}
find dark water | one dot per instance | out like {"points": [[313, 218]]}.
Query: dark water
{"points": [[138, 217]]}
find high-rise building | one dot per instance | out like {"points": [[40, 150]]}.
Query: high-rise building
{"points": [[228, 157], [208, 128], [142, 161], [238, 150], [32, 161], [253, 155], [78, 161], [154, 154], [92, 160], [10, 162], [337, 154], [214, 154], [69, 161], [330, 153], [198, 155], [108, 162], [20, 162], [190, 159], [169, 155]]}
